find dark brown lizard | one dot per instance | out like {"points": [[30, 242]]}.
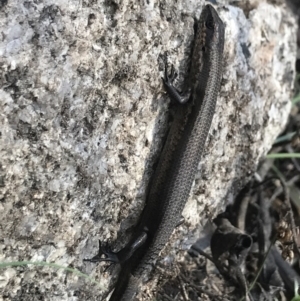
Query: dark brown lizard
{"points": [[175, 173]]}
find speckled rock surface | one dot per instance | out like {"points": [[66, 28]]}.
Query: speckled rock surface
{"points": [[83, 113]]}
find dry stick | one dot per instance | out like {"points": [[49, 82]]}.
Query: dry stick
{"points": [[288, 203], [263, 291], [201, 252], [279, 190], [241, 223], [167, 297], [242, 212], [183, 290], [294, 160], [240, 277], [215, 262], [260, 268], [243, 206], [201, 290]]}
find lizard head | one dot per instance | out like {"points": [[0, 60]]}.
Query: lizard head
{"points": [[211, 28]]}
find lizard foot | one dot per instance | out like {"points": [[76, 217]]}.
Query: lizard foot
{"points": [[107, 252]]}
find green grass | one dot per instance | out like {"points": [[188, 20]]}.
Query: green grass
{"points": [[51, 265], [283, 155], [296, 99], [284, 138]]}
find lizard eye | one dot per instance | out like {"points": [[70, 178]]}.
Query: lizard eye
{"points": [[209, 24]]}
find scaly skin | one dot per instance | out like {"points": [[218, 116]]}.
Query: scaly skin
{"points": [[172, 181]]}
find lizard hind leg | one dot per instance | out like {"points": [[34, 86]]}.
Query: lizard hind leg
{"points": [[107, 252], [122, 255]]}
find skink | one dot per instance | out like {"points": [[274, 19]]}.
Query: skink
{"points": [[172, 181]]}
